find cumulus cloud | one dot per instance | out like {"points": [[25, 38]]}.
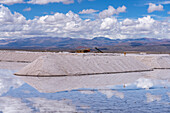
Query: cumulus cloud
{"points": [[27, 9], [128, 22], [108, 23], [50, 1], [154, 7], [70, 24], [168, 12], [11, 24], [164, 2], [88, 11], [111, 11], [10, 2], [121, 9]]}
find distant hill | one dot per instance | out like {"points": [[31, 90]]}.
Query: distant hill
{"points": [[71, 44]]}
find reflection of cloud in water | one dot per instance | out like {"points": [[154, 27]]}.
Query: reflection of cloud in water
{"points": [[8, 81], [151, 98], [110, 93], [168, 94], [13, 105], [16, 105], [26, 91], [148, 83], [87, 92], [144, 83], [56, 84], [44, 105]]}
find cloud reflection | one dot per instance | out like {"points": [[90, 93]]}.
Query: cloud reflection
{"points": [[45, 105], [151, 98], [13, 105], [8, 81], [110, 93]]}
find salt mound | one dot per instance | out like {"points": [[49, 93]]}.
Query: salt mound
{"points": [[62, 65], [156, 62]]}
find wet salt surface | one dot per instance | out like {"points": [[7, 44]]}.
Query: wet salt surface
{"points": [[145, 94]]}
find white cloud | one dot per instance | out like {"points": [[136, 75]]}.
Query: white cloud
{"points": [[168, 12], [121, 9], [154, 7], [164, 2], [50, 1], [111, 11], [10, 2], [108, 23], [128, 22], [70, 24], [88, 11], [27, 9]]}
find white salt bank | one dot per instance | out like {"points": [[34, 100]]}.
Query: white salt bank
{"points": [[155, 62], [71, 65]]}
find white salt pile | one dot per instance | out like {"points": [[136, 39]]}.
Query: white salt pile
{"points": [[62, 65], [156, 62]]}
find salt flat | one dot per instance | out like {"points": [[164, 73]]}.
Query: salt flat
{"points": [[143, 91]]}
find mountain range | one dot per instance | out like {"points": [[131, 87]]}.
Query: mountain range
{"points": [[72, 44]]}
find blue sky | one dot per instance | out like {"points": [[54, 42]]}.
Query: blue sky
{"points": [[109, 18], [135, 8]]}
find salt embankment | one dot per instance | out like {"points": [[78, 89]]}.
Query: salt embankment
{"points": [[63, 65], [16, 60], [155, 62], [159, 74], [12, 65], [28, 56], [20, 56]]}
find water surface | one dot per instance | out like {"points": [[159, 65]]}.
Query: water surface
{"points": [[142, 95]]}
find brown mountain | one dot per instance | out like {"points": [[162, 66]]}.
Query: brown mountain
{"points": [[103, 43]]}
